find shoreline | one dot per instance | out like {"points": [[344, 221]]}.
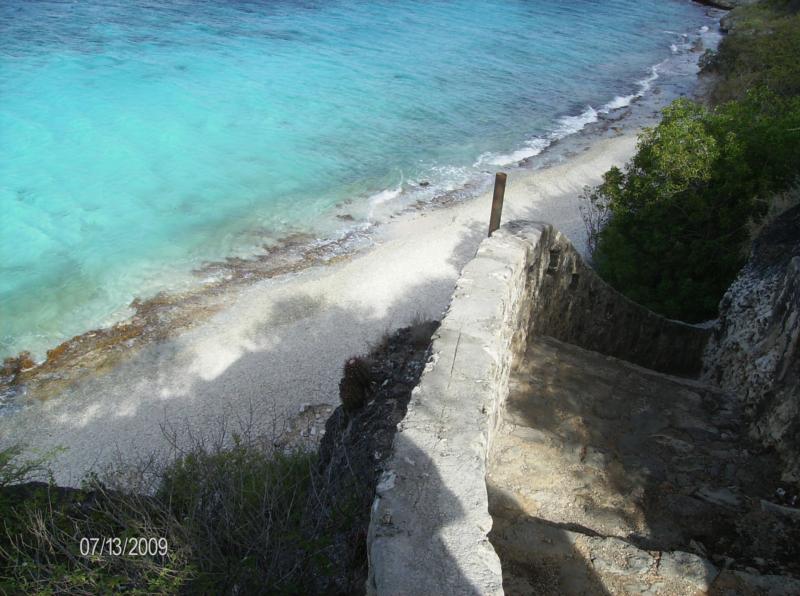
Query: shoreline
{"points": [[280, 344], [169, 312], [274, 339]]}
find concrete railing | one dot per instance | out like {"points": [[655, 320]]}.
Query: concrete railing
{"points": [[430, 518]]}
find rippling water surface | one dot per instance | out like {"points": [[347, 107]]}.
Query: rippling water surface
{"points": [[141, 139]]}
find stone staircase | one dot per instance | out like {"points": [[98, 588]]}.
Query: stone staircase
{"points": [[608, 478], [556, 443]]}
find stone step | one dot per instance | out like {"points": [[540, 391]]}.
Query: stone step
{"points": [[543, 559], [598, 447]]}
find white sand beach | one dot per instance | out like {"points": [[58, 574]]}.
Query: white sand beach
{"points": [[281, 343]]}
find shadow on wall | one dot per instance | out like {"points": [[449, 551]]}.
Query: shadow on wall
{"points": [[433, 568], [301, 310], [573, 304]]}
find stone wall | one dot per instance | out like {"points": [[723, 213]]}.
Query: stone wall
{"points": [[753, 352], [430, 519], [574, 305]]}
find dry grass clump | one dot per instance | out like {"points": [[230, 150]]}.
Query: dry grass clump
{"points": [[356, 382], [238, 515]]}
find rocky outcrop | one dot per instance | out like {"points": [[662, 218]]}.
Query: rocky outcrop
{"points": [[731, 19], [754, 349], [728, 4]]}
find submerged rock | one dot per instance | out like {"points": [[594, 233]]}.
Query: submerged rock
{"points": [[14, 365]]}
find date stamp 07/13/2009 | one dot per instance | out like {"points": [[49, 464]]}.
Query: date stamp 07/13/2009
{"points": [[123, 547]]}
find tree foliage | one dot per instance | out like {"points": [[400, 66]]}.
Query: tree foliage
{"points": [[678, 216], [761, 51]]}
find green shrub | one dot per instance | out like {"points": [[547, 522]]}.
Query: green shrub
{"points": [[246, 519], [41, 529], [761, 51], [15, 469], [238, 519], [677, 220]]}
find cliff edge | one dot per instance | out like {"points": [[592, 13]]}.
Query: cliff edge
{"points": [[753, 353]]}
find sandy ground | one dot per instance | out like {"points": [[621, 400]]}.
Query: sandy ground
{"points": [[280, 343]]}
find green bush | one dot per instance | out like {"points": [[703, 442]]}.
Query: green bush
{"points": [[41, 526], [677, 220], [14, 469], [246, 519], [763, 50]]}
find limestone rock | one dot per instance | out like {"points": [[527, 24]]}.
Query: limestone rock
{"points": [[753, 352]]}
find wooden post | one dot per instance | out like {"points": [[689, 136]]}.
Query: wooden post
{"points": [[497, 201]]}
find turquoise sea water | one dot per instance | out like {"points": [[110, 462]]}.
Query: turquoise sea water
{"points": [[141, 139]]}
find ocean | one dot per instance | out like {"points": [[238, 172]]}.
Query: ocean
{"points": [[142, 140]]}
